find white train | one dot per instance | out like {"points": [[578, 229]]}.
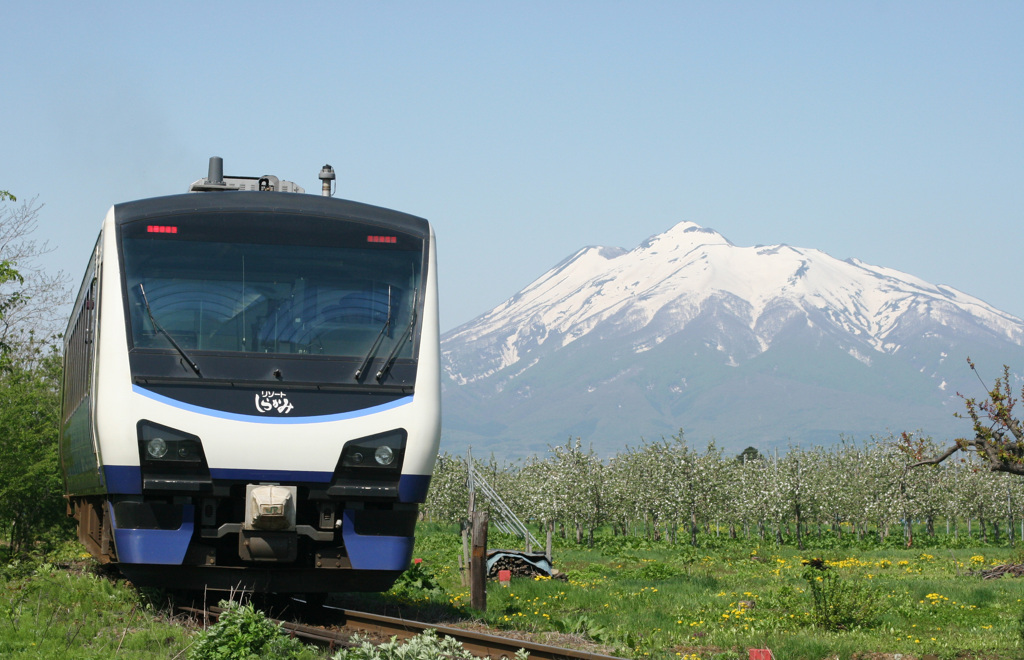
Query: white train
{"points": [[251, 393]]}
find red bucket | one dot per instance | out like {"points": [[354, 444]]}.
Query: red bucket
{"points": [[761, 654]]}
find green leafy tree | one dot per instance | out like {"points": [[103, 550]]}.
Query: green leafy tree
{"points": [[9, 277], [30, 483], [749, 454], [30, 373]]}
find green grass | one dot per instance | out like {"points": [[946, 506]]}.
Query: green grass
{"points": [[47, 612], [638, 598], [644, 599]]}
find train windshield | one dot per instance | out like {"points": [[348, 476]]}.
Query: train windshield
{"points": [[272, 283]]}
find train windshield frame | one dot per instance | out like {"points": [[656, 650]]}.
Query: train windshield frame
{"points": [[259, 284]]}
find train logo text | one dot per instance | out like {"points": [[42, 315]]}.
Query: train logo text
{"points": [[268, 401]]}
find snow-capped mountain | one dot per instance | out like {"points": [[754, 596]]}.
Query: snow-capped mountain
{"points": [[749, 345]]}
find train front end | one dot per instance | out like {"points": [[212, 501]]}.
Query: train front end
{"points": [[265, 398]]}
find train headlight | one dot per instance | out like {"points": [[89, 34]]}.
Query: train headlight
{"points": [[156, 447], [161, 445], [387, 450], [384, 455]]}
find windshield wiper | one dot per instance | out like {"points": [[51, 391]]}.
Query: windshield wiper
{"points": [[376, 342], [373, 349], [160, 328], [390, 362]]}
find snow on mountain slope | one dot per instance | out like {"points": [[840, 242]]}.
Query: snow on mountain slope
{"points": [[677, 275]]}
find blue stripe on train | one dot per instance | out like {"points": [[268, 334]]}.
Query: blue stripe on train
{"points": [[168, 546], [127, 480], [413, 487], [375, 553], [256, 419], [154, 546], [123, 479]]}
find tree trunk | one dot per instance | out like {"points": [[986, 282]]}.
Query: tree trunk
{"points": [[1009, 516], [799, 534]]}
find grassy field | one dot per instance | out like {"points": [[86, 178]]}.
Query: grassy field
{"points": [[636, 598], [49, 612], [644, 599]]}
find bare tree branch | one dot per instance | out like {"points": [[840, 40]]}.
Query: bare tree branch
{"points": [[938, 459], [33, 300], [998, 434]]}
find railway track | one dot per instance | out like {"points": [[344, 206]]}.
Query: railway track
{"points": [[347, 622]]}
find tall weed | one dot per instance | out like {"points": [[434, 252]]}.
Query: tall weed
{"points": [[242, 633], [839, 604], [425, 646]]}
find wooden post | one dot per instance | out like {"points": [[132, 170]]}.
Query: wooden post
{"points": [[470, 484], [467, 577], [478, 567], [551, 530], [464, 559]]}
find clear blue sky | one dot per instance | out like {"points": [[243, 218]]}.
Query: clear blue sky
{"points": [[888, 131]]}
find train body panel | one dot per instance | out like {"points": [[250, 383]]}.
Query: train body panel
{"points": [[113, 375], [296, 451], [422, 455], [79, 452], [252, 390]]}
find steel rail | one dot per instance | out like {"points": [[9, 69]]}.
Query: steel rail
{"points": [[477, 643]]}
